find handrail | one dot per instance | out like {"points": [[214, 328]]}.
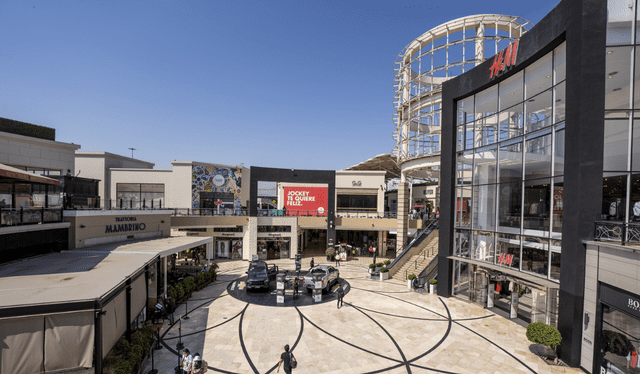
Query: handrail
{"points": [[424, 257], [431, 226]]}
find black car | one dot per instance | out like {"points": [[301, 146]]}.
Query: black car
{"points": [[260, 274]]}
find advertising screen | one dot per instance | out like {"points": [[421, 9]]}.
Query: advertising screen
{"points": [[306, 201]]}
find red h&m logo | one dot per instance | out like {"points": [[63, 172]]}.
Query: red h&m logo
{"points": [[505, 59], [505, 259]]}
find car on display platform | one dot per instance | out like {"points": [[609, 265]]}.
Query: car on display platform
{"points": [[259, 275], [329, 276]]}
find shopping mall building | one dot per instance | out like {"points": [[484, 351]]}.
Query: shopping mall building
{"points": [[545, 127]]}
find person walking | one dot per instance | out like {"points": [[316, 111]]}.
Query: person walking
{"points": [[187, 360], [311, 264], [337, 258], [296, 284], [373, 250], [199, 366], [340, 292], [286, 358]]}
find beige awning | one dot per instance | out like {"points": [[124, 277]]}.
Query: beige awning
{"points": [[10, 172]]}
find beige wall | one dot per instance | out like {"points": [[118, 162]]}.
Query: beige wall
{"points": [[357, 182], [611, 264], [178, 222], [157, 224], [95, 165], [24, 151]]}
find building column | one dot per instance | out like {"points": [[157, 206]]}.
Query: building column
{"points": [[382, 244], [165, 276], [403, 215]]}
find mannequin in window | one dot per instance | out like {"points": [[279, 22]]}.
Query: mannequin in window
{"points": [[636, 211]]}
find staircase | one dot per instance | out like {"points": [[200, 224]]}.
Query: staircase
{"points": [[427, 250]]}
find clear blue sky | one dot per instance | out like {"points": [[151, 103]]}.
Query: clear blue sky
{"points": [[305, 84]]}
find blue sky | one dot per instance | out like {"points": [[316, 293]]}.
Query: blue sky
{"points": [[305, 84]]}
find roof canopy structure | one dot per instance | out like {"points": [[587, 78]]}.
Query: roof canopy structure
{"points": [[384, 162], [16, 174]]}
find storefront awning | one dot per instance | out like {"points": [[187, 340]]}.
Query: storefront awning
{"points": [[532, 279], [7, 171]]}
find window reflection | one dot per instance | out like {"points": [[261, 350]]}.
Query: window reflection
{"points": [[508, 250], [537, 159], [618, 77], [484, 246], [614, 192], [536, 206], [538, 113], [616, 144], [619, 21], [538, 76], [511, 91], [534, 255]]}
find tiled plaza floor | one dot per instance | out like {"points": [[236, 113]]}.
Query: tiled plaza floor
{"points": [[383, 327]]}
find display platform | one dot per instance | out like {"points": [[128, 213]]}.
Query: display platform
{"points": [[238, 290]]}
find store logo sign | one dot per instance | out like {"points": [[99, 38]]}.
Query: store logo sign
{"points": [[506, 58], [633, 304], [505, 259], [125, 228]]}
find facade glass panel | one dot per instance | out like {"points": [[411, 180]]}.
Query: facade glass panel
{"points": [[618, 78], [537, 207], [463, 243], [511, 162], [560, 62], [511, 91], [483, 246], [555, 260], [538, 76], [559, 99], [508, 250], [620, 16], [620, 332], [558, 157], [511, 122], [538, 111], [537, 158], [558, 207], [616, 144], [484, 165], [535, 252], [635, 146], [486, 102], [484, 214], [614, 199], [465, 110], [510, 207]]}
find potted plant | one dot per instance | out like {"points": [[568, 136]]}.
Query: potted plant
{"points": [[546, 335], [372, 268], [384, 274], [432, 286], [410, 279], [386, 263], [330, 253], [379, 266]]}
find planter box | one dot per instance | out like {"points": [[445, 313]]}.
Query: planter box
{"points": [[432, 289], [409, 281], [384, 276]]}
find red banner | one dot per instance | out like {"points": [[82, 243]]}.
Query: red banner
{"points": [[306, 201]]}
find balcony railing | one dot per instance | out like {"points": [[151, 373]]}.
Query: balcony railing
{"points": [[209, 212], [29, 216], [617, 231]]}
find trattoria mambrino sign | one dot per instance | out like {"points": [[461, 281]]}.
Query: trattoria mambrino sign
{"points": [[305, 200]]}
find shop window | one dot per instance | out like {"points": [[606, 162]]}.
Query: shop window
{"points": [[487, 102], [463, 243], [484, 199], [618, 77], [484, 166], [510, 162], [555, 261], [463, 206], [634, 195], [468, 135], [509, 207], [6, 192], [483, 246], [559, 62], [536, 206], [538, 111], [537, 159], [558, 205], [538, 76], [137, 194], [614, 196], [616, 144], [559, 99], [228, 229], [534, 255], [558, 165], [619, 21], [511, 91], [508, 250], [274, 228], [511, 122], [619, 341], [461, 279], [23, 195], [357, 202], [635, 146]]}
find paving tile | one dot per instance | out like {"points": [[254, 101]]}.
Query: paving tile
{"points": [[380, 322]]}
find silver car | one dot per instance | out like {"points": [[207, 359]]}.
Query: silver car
{"points": [[329, 274]]}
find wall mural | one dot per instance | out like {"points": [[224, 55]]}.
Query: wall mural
{"points": [[209, 178]]}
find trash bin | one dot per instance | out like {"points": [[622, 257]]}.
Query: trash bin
{"points": [[280, 281]]}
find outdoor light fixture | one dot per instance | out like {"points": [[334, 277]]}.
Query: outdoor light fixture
{"points": [[586, 320], [82, 226]]}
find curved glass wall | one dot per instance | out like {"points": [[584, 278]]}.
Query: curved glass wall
{"points": [[510, 170]]}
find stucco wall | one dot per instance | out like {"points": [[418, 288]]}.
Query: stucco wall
{"points": [[24, 151]]}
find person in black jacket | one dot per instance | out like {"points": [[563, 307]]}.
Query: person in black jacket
{"points": [[285, 358]]}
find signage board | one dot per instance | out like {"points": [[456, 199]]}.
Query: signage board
{"points": [[309, 201], [503, 60], [627, 303]]}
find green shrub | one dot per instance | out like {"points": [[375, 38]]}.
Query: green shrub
{"points": [[200, 279], [189, 285], [124, 366], [179, 291], [387, 262], [372, 266], [384, 270], [544, 334], [411, 277], [379, 264], [433, 281]]}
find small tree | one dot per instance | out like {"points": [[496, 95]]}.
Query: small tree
{"points": [[544, 334], [411, 277]]}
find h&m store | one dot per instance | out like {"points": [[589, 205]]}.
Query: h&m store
{"points": [[540, 182]]}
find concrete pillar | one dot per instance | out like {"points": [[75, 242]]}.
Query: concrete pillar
{"points": [[165, 276], [382, 244], [403, 215]]}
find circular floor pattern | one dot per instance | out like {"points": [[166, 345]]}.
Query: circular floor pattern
{"points": [[237, 289]]}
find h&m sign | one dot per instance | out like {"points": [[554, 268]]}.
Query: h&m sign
{"points": [[505, 259], [505, 59]]}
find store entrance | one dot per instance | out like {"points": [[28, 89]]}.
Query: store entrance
{"points": [[273, 249]]}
